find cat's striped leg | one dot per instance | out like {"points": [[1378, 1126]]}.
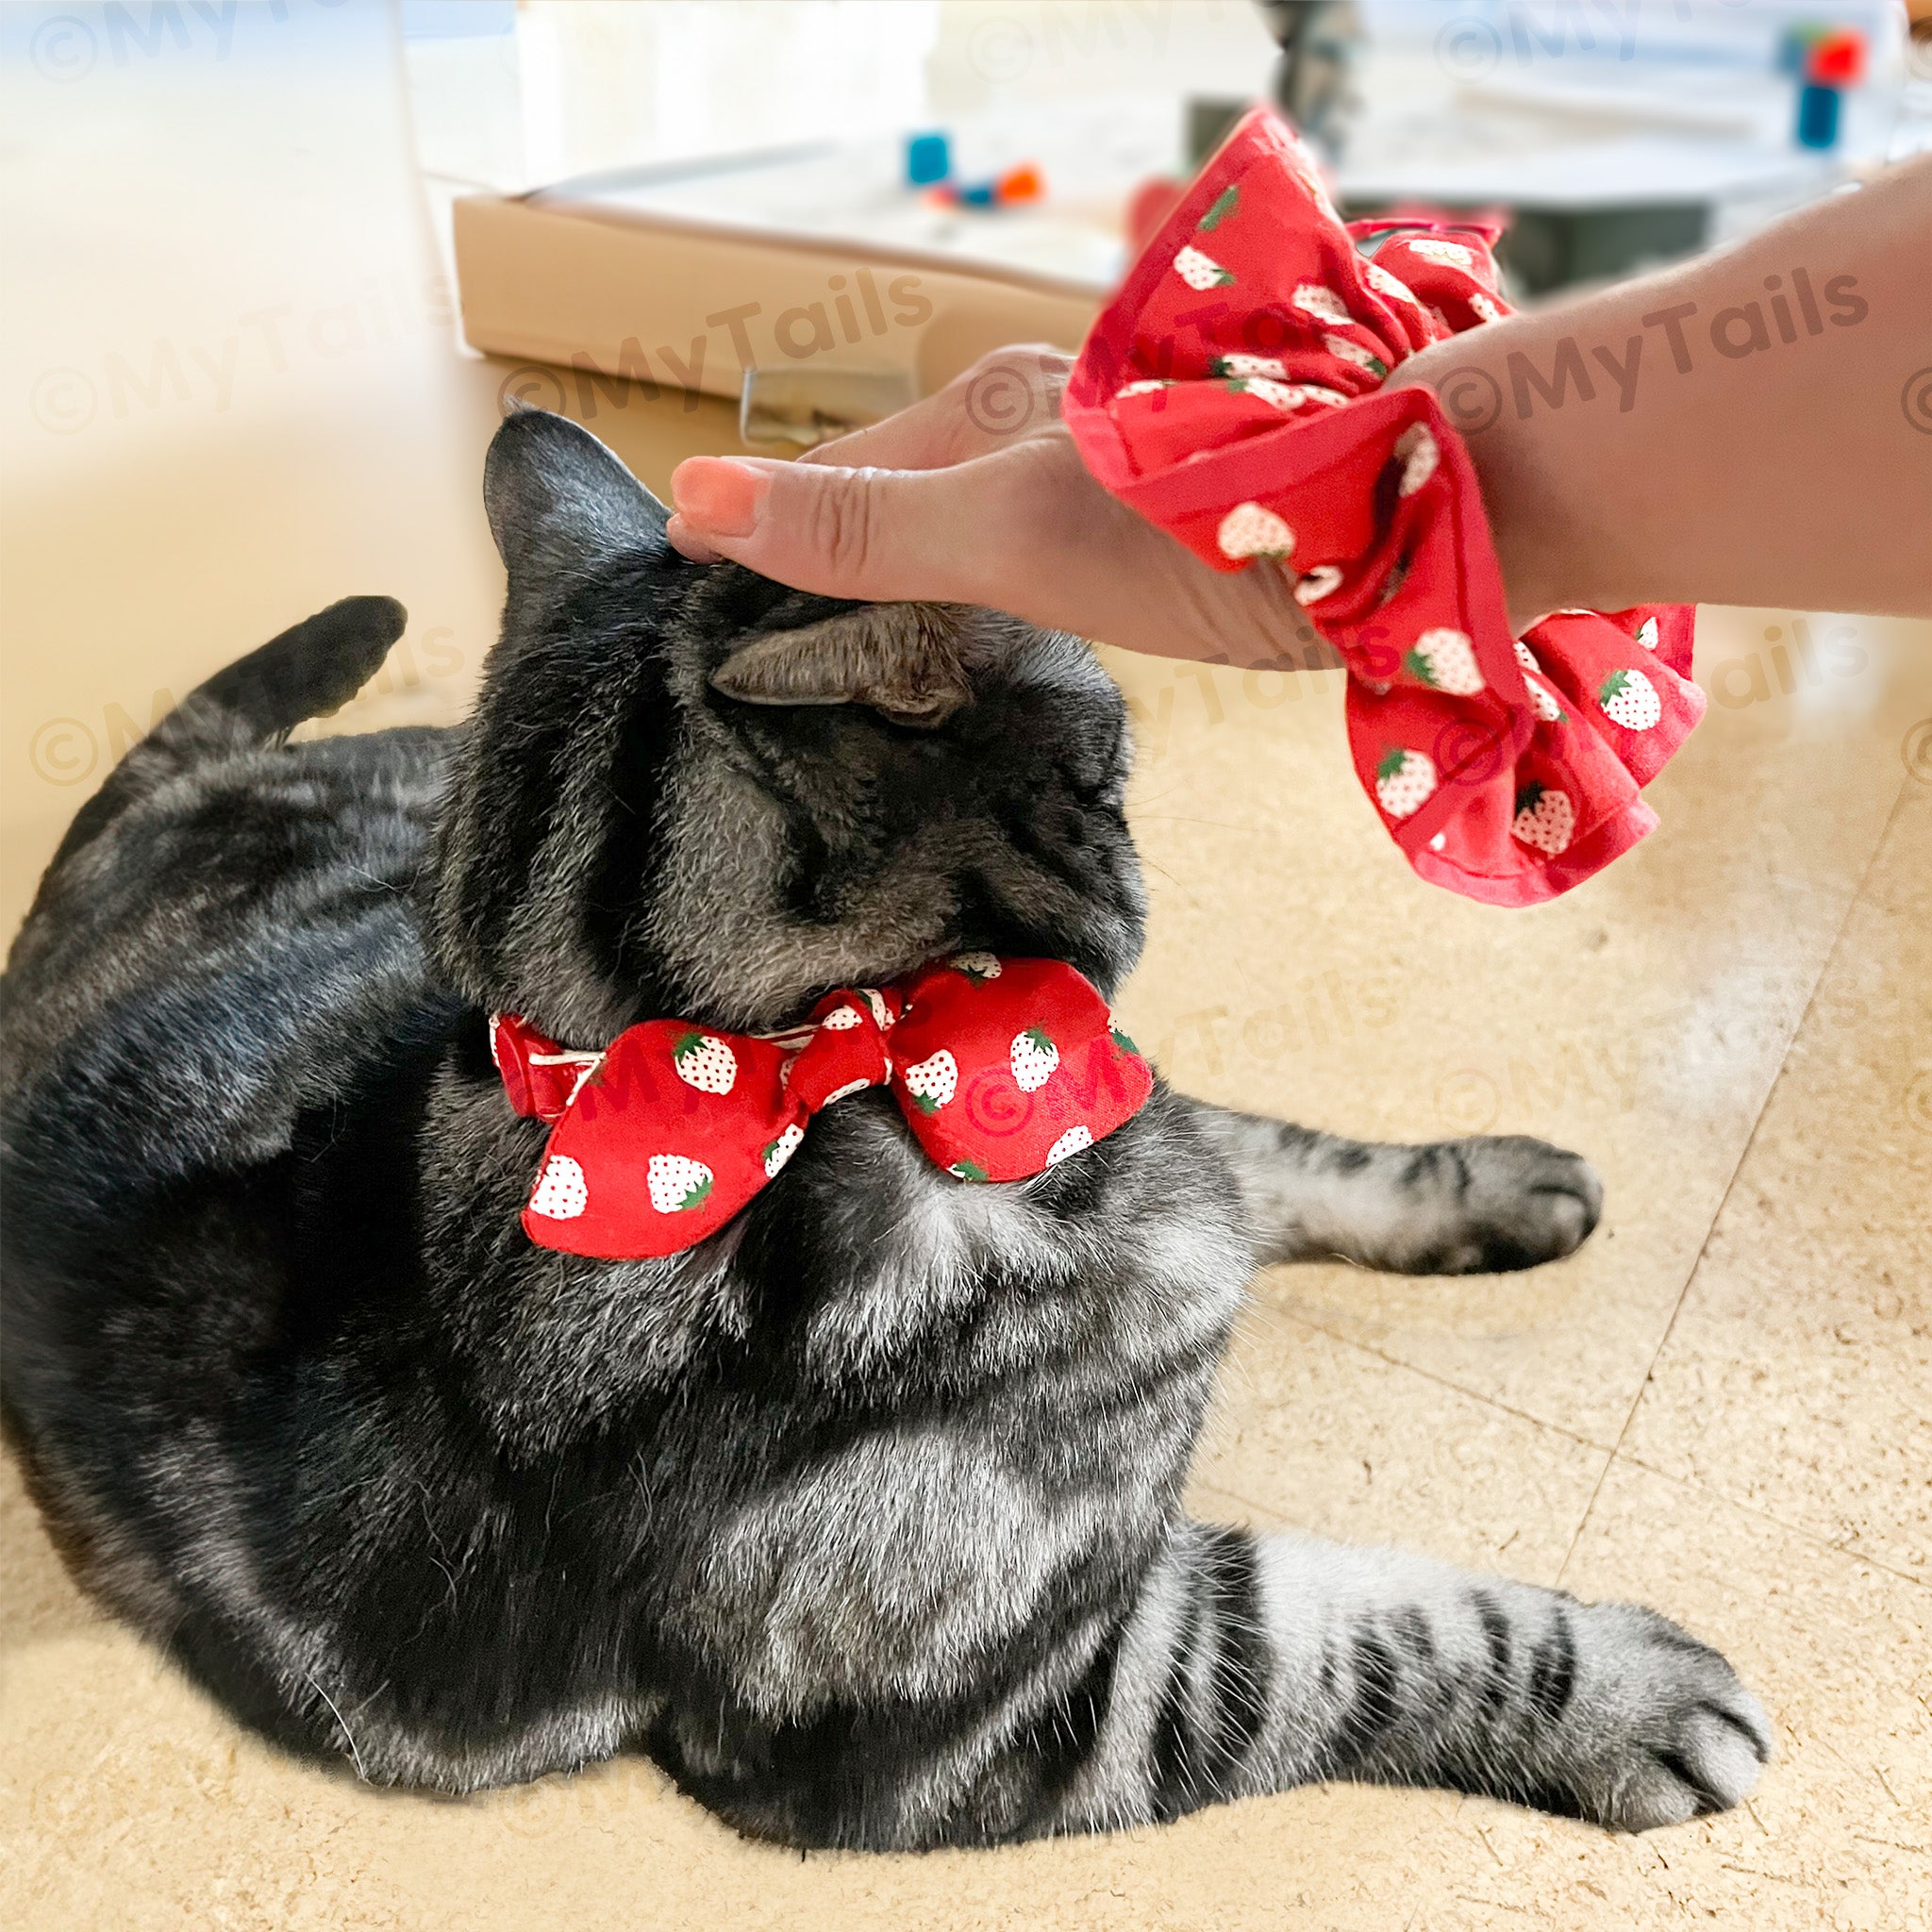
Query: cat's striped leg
{"points": [[1454, 1208], [1254, 1664]]}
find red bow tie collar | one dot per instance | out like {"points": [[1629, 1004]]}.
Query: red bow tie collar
{"points": [[1231, 394], [1002, 1068]]}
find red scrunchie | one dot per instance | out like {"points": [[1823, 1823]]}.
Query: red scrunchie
{"points": [[1231, 394]]}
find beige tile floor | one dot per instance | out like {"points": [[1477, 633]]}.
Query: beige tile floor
{"points": [[230, 400]]}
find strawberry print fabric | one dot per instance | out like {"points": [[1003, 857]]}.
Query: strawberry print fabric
{"points": [[1001, 1067], [1232, 393]]}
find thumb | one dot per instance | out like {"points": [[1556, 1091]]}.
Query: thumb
{"points": [[887, 535]]}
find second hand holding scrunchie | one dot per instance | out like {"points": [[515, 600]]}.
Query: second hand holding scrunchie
{"points": [[1232, 394]]}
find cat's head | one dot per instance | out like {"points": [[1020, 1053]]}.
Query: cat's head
{"points": [[686, 789]]}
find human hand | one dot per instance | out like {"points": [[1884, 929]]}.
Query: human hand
{"points": [[977, 495]]}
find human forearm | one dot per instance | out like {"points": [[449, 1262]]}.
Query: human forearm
{"points": [[1626, 456]]}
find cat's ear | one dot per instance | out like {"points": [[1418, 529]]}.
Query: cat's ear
{"points": [[557, 499], [903, 659]]}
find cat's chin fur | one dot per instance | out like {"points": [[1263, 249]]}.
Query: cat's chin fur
{"points": [[862, 1516]]}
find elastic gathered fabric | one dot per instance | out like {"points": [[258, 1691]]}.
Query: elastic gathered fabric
{"points": [[1232, 394]]}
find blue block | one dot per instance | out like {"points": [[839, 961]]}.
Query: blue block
{"points": [[1817, 115], [928, 158]]}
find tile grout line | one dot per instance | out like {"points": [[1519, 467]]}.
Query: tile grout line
{"points": [[1441, 1381], [1533, 1422], [1744, 1153], [1796, 1530], [1249, 1504]]}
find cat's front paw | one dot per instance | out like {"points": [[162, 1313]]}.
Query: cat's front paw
{"points": [[1523, 1203], [1660, 1730]]}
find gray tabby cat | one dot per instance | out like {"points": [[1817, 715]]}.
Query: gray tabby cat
{"points": [[861, 1517]]}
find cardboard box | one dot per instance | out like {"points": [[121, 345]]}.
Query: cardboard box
{"points": [[597, 278]]}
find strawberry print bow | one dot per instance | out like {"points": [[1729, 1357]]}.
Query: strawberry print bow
{"points": [[1001, 1067], [1232, 394]]}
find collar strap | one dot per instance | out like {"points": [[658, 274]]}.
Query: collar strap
{"points": [[1002, 1068]]}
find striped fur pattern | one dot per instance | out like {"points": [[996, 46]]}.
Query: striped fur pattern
{"points": [[861, 1518]]}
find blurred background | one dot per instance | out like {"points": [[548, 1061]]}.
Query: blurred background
{"points": [[1618, 132], [259, 255]]}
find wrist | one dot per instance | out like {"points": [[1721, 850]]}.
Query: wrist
{"points": [[1550, 544]]}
